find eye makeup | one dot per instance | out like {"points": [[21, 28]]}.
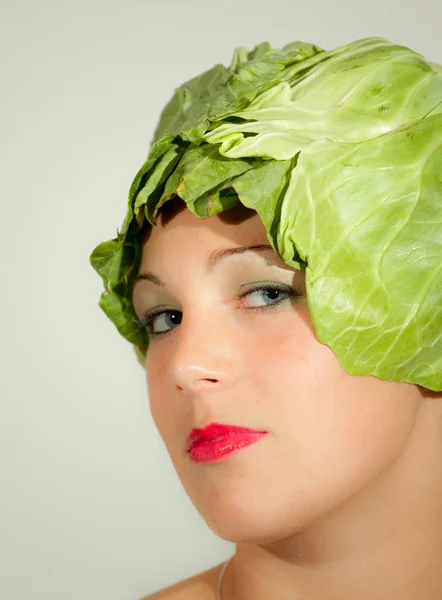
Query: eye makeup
{"points": [[162, 320]]}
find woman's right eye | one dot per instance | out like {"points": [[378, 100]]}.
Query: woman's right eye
{"points": [[160, 322]]}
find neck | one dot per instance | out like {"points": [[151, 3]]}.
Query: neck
{"points": [[385, 543]]}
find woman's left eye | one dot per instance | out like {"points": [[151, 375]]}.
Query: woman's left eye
{"points": [[267, 296]]}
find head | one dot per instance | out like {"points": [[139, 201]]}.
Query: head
{"points": [[337, 157], [225, 348]]}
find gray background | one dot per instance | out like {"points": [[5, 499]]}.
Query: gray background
{"points": [[90, 507]]}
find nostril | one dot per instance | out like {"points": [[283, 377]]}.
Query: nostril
{"points": [[204, 380]]}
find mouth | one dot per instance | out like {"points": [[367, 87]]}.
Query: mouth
{"points": [[217, 440]]}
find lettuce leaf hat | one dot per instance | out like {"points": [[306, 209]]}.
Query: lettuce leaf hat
{"points": [[340, 154]]}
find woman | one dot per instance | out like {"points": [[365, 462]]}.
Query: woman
{"points": [[291, 338]]}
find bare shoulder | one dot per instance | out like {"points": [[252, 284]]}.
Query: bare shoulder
{"points": [[198, 587]]}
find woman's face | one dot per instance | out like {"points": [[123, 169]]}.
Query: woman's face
{"points": [[225, 350]]}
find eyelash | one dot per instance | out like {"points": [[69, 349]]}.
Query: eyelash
{"points": [[146, 323]]}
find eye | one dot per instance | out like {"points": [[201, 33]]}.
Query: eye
{"points": [[160, 321], [267, 296], [264, 297]]}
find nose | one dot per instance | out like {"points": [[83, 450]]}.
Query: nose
{"points": [[204, 359]]}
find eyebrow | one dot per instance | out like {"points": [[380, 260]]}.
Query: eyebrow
{"points": [[214, 258]]}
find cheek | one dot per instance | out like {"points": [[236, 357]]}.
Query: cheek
{"points": [[331, 426], [283, 354], [157, 380]]}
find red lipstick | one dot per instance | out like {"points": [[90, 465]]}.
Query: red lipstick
{"points": [[217, 440]]}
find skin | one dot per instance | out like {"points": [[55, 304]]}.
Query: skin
{"points": [[342, 499]]}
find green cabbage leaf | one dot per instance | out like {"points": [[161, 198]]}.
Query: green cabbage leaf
{"points": [[340, 154]]}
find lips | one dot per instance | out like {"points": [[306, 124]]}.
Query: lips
{"points": [[216, 431]]}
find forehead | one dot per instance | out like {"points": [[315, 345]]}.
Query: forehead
{"points": [[177, 226]]}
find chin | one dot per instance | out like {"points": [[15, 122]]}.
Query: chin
{"points": [[253, 532], [251, 522]]}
